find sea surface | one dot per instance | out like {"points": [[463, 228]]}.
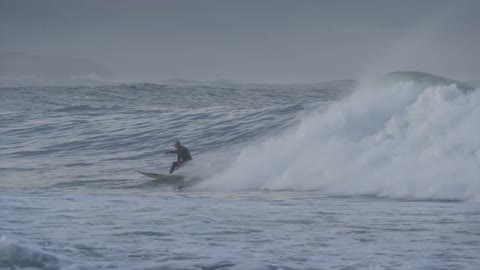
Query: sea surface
{"points": [[309, 176]]}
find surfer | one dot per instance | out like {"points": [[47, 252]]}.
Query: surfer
{"points": [[183, 156]]}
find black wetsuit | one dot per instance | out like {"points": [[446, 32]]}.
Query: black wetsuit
{"points": [[183, 155]]}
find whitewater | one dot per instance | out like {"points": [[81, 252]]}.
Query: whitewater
{"points": [[374, 175]]}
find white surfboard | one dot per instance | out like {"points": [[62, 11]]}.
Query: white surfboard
{"points": [[180, 181], [164, 177]]}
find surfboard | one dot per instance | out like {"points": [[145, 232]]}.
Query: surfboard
{"points": [[164, 177], [179, 181]]}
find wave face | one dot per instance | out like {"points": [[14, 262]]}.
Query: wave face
{"points": [[85, 136], [402, 141]]}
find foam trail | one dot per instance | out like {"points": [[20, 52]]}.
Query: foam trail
{"points": [[401, 141]]}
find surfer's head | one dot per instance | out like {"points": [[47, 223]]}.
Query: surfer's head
{"points": [[177, 144]]}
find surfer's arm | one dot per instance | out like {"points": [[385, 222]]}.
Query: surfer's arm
{"points": [[170, 152]]}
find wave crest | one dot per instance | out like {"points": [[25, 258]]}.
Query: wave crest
{"points": [[423, 80]]}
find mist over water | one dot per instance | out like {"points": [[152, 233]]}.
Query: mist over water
{"points": [[250, 41], [404, 140]]}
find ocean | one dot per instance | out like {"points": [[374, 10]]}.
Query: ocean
{"points": [[380, 175]]}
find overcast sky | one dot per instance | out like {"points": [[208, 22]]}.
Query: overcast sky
{"points": [[253, 41]]}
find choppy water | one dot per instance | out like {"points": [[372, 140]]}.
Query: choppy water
{"points": [[105, 133], [296, 177]]}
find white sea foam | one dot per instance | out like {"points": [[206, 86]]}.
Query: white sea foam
{"points": [[13, 256], [404, 141]]}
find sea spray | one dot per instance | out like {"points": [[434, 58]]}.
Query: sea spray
{"points": [[400, 141]]}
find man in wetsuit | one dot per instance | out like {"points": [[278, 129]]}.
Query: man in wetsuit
{"points": [[183, 156]]}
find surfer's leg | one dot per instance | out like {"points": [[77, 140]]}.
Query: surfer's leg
{"points": [[174, 165]]}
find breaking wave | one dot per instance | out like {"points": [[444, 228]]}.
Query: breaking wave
{"points": [[408, 139]]}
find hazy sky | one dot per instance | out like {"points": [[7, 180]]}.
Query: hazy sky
{"points": [[255, 41]]}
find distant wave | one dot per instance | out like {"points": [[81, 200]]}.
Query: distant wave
{"points": [[424, 79]]}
